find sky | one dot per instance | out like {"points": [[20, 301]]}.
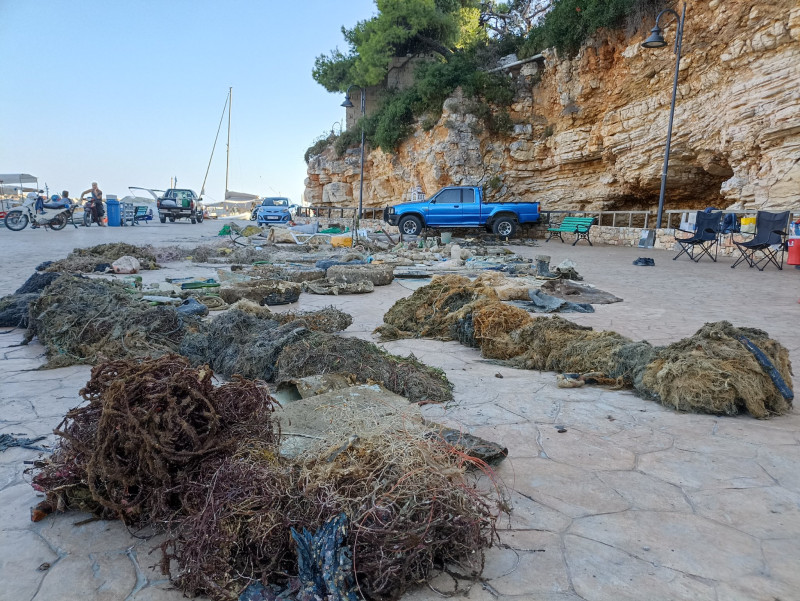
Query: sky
{"points": [[130, 92]]}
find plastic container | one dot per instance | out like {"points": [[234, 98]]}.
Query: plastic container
{"points": [[343, 241], [114, 213], [793, 256], [446, 237], [748, 225]]}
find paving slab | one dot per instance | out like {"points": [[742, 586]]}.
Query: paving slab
{"points": [[633, 501]]}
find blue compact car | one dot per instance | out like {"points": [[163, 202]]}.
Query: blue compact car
{"points": [[273, 210]]}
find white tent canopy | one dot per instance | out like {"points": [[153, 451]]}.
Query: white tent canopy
{"points": [[14, 183], [232, 196]]}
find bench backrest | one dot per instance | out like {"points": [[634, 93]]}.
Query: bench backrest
{"points": [[571, 222]]}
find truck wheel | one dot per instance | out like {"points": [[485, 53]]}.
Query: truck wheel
{"points": [[410, 225], [172, 218], [162, 218], [505, 227], [199, 217]]}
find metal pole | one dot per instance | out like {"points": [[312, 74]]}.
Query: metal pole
{"points": [[361, 177], [228, 147], [678, 45]]}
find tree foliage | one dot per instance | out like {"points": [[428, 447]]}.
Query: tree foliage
{"points": [[400, 28], [569, 23], [515, 18]]}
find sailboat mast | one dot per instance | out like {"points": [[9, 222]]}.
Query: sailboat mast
{"points": [[219, 127], [228, 154]]}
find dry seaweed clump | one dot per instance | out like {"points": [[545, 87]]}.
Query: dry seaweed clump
{"points": [[146, 429], [86, 260], [321, 353], [714, 372], [159, 446], [81, 320]]}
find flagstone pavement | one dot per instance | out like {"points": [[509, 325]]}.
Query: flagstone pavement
{"points": [[632, 501]]}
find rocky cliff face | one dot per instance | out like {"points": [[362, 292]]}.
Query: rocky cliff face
{"points": [[590, 131]]}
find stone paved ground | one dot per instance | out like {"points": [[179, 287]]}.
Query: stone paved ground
{"points": [[633, 501]]}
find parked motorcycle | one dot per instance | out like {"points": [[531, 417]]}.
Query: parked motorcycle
{"points": [[88, 212], [56, 217]]}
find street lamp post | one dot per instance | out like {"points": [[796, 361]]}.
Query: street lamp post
{"points": [[348, 104], [656, 40]]}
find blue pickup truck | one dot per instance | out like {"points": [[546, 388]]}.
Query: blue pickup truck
{"points": [[461, 206]]}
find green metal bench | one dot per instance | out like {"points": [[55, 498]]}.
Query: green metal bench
{"points": [[572, 225]]}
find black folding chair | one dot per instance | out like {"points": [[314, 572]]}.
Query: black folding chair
{"points": [[768, 239], [704, 238]]}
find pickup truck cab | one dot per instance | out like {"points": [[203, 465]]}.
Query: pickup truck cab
{"points": [[461, 206]]}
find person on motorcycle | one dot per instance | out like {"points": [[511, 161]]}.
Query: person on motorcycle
{"points": [[39, 205], [96, 203], [64, 200]]}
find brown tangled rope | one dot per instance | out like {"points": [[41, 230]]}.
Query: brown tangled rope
{"points": [[146, 423]]}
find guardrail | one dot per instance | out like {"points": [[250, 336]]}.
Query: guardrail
{"points": [[340, 212], [637, 219]]}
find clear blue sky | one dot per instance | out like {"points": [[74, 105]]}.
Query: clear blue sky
{"points": [[130, 93]]}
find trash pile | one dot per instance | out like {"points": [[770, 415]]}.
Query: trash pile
{"points": [[364, 514], [722, 369], [100, 258]]}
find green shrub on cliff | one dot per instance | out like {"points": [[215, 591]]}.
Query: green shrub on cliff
{"points": [[570, 23]]}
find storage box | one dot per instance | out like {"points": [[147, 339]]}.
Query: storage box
{"points": [[748, 225]]}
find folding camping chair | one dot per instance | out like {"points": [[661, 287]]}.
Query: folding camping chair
{"points": [[703, 239], [768, 239]]}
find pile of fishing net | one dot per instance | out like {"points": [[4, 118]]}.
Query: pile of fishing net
{"points": [[262, 291], [81, 320], [159, 446], [433, 310], [256, 343], [96, 258], [242, 342], [321, 353], [146, 428], [721, 369], [14, 307]]}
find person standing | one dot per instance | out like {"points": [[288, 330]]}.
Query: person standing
{"points": [[97, 203]]}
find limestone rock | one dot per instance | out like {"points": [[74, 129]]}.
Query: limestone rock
{"points": [[590, 131]]}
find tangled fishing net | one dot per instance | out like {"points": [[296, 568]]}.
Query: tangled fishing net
{"points": [[147, 425], [86, 260], [81, 320], [320, 353], [158, 445], [432, 310], [240, 342], [721, 369]]}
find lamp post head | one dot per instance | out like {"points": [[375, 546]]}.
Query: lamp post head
{"points": [[347, 103], [656, 40]]}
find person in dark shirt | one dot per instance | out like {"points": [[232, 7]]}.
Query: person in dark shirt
{"points": [[96, 201]]}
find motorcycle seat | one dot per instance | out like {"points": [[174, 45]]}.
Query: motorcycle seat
{"points": [[53, 205]]}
